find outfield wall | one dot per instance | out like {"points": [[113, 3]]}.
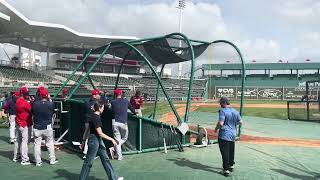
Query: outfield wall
{"points": [[262, 90]]}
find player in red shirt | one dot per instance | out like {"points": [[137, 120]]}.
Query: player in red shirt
{"points": [[23, 126], [136, 102]]}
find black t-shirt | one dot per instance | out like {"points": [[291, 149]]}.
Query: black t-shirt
{"points": [[94, 123], [89, 109]]}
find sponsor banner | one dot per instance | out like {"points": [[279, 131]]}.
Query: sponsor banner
{"points": [[294, 93], [249, 93], [270, 93], [229, 92]]}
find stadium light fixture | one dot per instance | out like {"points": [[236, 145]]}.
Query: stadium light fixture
{"points": [[181, 6]]}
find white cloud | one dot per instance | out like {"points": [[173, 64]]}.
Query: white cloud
{"points": [[204, 21]]}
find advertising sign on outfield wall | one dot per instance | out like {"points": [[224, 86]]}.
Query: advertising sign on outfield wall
{"points": [[269, 93], [265, 93], [249, 93], [293, 93], [229, 92]]}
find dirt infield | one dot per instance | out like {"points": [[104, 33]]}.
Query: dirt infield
{"points": [[266, 140], [169, 118]]}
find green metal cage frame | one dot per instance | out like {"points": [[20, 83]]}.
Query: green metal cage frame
{"points": [[130, 45]]}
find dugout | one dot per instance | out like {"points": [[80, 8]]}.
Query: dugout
{"points": [[145, 134]]}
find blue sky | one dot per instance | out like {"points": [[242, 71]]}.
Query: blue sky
{"points": [[265, 30]]}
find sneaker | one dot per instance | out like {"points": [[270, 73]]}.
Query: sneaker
{"points": [[39, 164], [84, 157], [225, 173], [16, 159], [12, 141], [120, 158], [231, 168], [54, 162], [25, 163], [120, 178]]}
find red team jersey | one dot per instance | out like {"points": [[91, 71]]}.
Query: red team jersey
{"points": [[136, 102], [23, 112]]}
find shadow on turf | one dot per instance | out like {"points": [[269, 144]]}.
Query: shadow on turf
{"points": [[69, 175], [4, 139], [183, 162], [297, 176], [7, 154], [291, 164]]}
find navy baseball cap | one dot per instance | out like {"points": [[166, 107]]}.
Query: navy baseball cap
{"points": [[224, 100]]}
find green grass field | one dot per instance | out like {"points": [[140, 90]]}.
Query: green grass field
{"points": [[274, 113]]}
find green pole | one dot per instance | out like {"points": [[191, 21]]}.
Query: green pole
{"points": [[118, 76], [185, 38], [140, 135], [72, 75], [155, 73], [156, 102], [242, 78], [89, 71]]}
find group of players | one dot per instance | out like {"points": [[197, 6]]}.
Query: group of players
{"points": [[93, 135], [31, 119]]}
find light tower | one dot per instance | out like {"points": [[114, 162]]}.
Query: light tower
{"points": [[181, 6]]}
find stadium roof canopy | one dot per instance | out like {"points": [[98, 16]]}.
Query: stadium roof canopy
{"points": [[17, 29], [262, 66]]}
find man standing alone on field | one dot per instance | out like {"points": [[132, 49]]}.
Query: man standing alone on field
{"points": [[229, 118]]}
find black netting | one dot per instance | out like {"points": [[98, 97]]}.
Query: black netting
{"points": [[158, 51]]}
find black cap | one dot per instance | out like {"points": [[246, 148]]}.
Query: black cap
{"points": [[224, 100]]}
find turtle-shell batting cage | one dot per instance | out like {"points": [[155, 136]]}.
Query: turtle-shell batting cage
{"points": [[166, 109]]}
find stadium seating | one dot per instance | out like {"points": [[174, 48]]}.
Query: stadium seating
{"points": [[22, 74]]}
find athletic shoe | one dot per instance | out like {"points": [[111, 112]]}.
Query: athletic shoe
{"points": [[120, 178], [52, 162], [120, 158], [25, 163], [16, 159], [225, 173], [231, 168], [12, 141], [84, 157], [39, 164]]}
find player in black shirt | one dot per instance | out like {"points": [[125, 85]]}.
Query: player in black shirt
{"points": [[96, 145]]}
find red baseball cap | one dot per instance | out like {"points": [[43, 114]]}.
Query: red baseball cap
{"points": [[17, 93], [118, 92], [65, 91], [95, 92], [24, 90], [40, 88], [43, 92]]}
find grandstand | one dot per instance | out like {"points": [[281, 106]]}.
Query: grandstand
{"points": [[13, 77]]}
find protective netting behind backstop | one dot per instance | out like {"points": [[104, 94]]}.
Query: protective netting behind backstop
{"points": [[304, 110]]}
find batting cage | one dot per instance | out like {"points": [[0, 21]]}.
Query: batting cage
{"points": [[169, 102], [308, 108]]}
